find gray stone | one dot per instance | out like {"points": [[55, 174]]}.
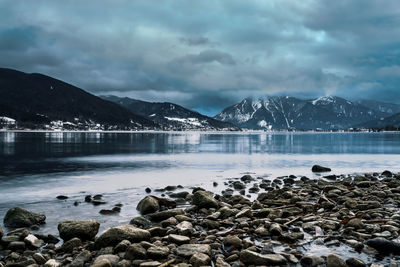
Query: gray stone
{"points": [[16, 245], [178, 239], [163, 215], [115, 235], [135, 251], [188, 250], [52, 263], [113, 259], [147, 205], [185, 228], [150, 264], [311, 260], [356, 223], [251, 257], [81, 259], [39, 258], [71, 244], [221, 263], [84, 230], [19, 217], [319, 168], [199, 259], [156, 252], [353, 262], [33, 241], [122, 246], [1, 232], [233, 240], [203, 199], [334, 260], [102, 263]]}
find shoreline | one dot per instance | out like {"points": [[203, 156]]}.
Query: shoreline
{"points": [[333, 217]]}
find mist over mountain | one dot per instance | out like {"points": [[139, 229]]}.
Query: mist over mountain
{"points": [[170, 115], [284, 112]]}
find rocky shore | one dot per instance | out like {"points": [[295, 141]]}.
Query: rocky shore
{"points": [[345, 220]]}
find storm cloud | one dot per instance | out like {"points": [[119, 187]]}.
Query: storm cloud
{"points": [[208, 54]]}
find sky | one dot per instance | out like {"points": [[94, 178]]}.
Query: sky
{"points": [[207, 55]]}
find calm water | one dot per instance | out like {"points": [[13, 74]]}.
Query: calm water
{"points": [[36, 167]]}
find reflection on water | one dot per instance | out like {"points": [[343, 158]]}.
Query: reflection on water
{"points": [[36, 167]]}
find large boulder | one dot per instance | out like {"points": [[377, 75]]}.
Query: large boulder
{"points": [[249, 257], [203, 199], [148, 205], [84, 230], [114, 235], [19, 217]]}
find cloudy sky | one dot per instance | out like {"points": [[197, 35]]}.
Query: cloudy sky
{"points": [[207, 55]]}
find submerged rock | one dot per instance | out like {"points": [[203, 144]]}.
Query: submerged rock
{"points": [[19, 217], [384, 246], [319, 168], [85, 230], [251, 257]]}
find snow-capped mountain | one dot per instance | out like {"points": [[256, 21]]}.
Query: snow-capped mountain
{"points": [[284, 112], [171, 116]]}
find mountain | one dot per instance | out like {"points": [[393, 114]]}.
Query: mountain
{"points": [[278, 112], [37, 100], [383, 107], [171, 116], [388, 123]]}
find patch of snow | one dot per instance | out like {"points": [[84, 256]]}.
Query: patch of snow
{"points": [[7, 120], [152, 115], [191, 121], [324, 100]]}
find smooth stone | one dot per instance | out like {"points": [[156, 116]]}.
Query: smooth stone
{"points": [[188, 250], [185, 228], [113, 259], [71, 244], [334, 260], [84, 230], [356, 223], [39, 258], [232, 240], [163, 215], [33, 241], [353, 262], [16, 245], [102, 263], [199, 259], [203, 199], [19, 217], [178, 239], [114, 235], [122, 246], [1, 232], [251, 257], [150, 264], [52, 263], [148, 204], [311, 260], [135, 251], [156, 252], [81, 259], [221, 263], [319, 168]]}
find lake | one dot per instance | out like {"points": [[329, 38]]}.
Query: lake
{"points": [[35, 167]]}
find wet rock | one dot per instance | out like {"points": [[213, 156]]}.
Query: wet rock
{"points": [[221, 263], [163, 215], [244, 213], [19, 217], [178, 239], [108, 212], [319, 168], [88, 198], [141, 221], [150, 264], [102, 263], [71, 244], [52, 263], [113, 259], [334, 260], [148, 190], [233, 240], [84, 230], [203, 199], [156, 252], [33, 241], [1, 232], [251, 257], [148, 205], [185, 228], [311, 260], [215, 184], [39, 258], [353, 262], [387, 173], [16, 245], [238, 185], [384, 246], [246, 178], [199, 259], [135, 251], [115, 235], [122, 246], [275, 229], [356, 223], [81, 259], [98, 202], [188, 250], [62, 197], [182, 194]]}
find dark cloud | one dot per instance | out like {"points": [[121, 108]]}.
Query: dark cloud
{"points": [[208, 54]]}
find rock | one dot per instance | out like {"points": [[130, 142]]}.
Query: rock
{"points": [[33, 241], [384, 246], [178, 239], [84, 230], [19, 217], [163, 215], [334, 260], [199, 259], [156, 252], [244, 213], [62, 197], [102, 263], [148, 190], [182, 194], [109, 212], [238, 185], [71, 244], [319, 168], [185, 228], [16, 245], [39, 258], [52, 263], [113, 259], [251, 257], [275, 229], [188, 250], [311, 260], [1, 232], [150, 264], [387, 173], [122, 246], [81, 259], [135, 251], [148, 205], [203, 199], [141, 222], [353, 262], [115, 235], [356, 223], [233, 240], [221, 263], [88, 198]]}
